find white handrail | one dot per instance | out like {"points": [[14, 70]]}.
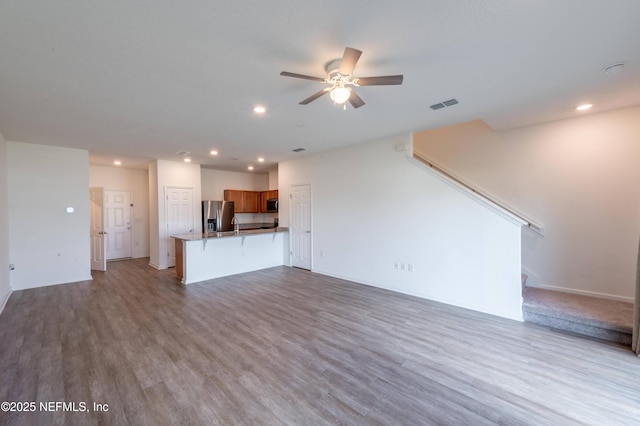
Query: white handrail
{"points": [[501, 206]]}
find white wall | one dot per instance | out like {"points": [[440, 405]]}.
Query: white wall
{"points": [[5, 288], [47, 244], [135, 181], [372, 207], [273, 179], [166, 174], [214, 182], [578, 177]]}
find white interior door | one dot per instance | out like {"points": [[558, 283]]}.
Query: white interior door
{"points": [[179, 217], [117, 224], [300, 226], [98, 241]]}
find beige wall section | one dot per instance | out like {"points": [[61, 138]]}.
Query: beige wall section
{"points": [[273, 179], [5, 288], [154, 206], [579, 178], [135, 181], [371, 208], [214, 182], [164, 174], [47, 244]]}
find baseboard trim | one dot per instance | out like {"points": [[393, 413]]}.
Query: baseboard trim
{"points": [[4, 302], [154, 266], [583, 292], [515, 315]]}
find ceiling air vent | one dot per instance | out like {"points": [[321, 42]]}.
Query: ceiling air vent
{"points": [[450, 102], [299, 149]]}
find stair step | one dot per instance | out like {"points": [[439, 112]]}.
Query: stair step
{"points": [[600, 318]]}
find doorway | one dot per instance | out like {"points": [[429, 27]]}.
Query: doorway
{"points": [[117, 224], [300, 226], [179, 210], [96, 232]]}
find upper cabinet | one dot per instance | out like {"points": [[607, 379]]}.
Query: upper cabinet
{"points": [[244, 201], [267, 195], [250, 201]]}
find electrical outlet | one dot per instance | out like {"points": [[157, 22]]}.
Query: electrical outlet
{"points": [[410, 267], [321, 253], [396, 265], [403, 267]]}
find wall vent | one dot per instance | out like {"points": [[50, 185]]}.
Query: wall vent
{"points": [[440, 105]]}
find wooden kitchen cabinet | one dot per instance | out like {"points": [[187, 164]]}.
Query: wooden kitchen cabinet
{"points": [[264, 196], [251, 201], [244, 201], [236, 197]]}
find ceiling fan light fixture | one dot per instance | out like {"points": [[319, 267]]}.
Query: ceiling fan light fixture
{"points": [[340, 95]]}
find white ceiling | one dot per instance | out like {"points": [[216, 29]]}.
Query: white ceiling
{"points": [[139, 80]]}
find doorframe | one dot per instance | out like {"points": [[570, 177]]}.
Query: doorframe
{"points": [[130, 217], [103, 266], [310, 222]]}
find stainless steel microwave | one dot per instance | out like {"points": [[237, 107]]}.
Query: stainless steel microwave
{"points": [[272, 205]]}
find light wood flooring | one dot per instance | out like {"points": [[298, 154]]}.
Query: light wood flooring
{"points": [[286, 346]]}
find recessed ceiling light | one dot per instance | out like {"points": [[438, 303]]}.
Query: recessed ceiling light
{"points": [[250, 168], [584, 107], [259, 109], [213, 152], [187, 160], [261, 160], [117, 163]]}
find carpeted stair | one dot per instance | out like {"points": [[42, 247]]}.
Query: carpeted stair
{"points": [[605, 319]]}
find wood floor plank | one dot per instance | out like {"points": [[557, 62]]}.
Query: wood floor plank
{"points": [[287, 346]]}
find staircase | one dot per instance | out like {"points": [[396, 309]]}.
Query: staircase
{"points": [[604, 319]]}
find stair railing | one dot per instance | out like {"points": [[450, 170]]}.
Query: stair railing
{"points": [[501, 207]]}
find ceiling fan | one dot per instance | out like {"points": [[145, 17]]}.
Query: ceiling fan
{"points": [[340, 79]]}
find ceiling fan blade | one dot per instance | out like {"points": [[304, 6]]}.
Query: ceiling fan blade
{"points": [[305, 77], [384, 80], [349, 60], [355, 100], [314, 97]]}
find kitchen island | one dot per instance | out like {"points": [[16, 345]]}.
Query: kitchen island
{"points": [[201, 257]]}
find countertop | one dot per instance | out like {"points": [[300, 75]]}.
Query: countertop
{"points": [[229, 234]]}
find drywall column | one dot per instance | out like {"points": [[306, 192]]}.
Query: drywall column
{"points": [[164, 174], [5, 288]]}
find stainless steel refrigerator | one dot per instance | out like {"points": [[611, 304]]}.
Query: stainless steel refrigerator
{"points": [[217, 216]]}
